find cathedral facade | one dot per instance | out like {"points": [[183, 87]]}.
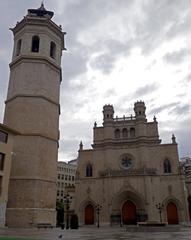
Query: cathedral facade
{"points": [[129, 176]]}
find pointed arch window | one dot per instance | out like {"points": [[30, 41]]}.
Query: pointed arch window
{"points": [[132, 132], [125, 133], [52, 50], [167, 166], [117, 133], [18, 49], [89, 170], [35, 43]]}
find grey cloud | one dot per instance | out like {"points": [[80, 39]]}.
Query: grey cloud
{"points": [[110, 92], [74, 63], [181, 109], [177, 57], [69, 148], [3, 86], [77, 18], [182, 133], [72, 135], [161, 20], [168, 107], [188, 78], [104, 63], [184, 142], [12, 11], [114, 49], [182, 24], [151, 31], [125, 105], [151, 65], [147, 89], [2, 110]]}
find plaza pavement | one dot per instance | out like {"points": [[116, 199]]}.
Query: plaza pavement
{"points": [[103, 233]]}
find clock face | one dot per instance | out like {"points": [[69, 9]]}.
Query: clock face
{"points": [[126, 162]]}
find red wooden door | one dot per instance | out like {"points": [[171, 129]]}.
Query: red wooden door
{"points": [[89, 214], [172, 213], [129, 213]]}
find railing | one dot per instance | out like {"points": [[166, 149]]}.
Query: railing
{"points": [[124, 118], [117, 173]]}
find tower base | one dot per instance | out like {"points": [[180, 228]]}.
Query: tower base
{"points": [[30, 217]]}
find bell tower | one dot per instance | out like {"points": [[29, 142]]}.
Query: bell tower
{"points": [[108, 113], [33, 108], [139, 108]]}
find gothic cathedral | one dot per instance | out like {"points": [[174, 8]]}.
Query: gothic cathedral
{"points": [[129, 176]]}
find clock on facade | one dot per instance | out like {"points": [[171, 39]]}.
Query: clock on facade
{"points": [[126, 161]]}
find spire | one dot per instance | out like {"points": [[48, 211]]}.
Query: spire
{"points": [[173, 139], [42, 8], [40, 12], [81, 146]]}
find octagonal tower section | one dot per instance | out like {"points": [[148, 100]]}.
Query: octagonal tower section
{"points": [[33, 109]]}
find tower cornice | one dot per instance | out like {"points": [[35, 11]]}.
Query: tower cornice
{"points": [[34, 58], [32, 96], [39, 21]]}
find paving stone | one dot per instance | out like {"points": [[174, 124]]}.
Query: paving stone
{"points": [[103, 233]]}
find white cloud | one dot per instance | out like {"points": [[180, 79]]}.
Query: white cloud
{"points": [[116, 49]]}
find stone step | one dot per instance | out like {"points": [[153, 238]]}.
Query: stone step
{"points": [[175, 228]]}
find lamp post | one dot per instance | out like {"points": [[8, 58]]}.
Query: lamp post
{"points": [[98, 209], [67, 201], [160, 207]]}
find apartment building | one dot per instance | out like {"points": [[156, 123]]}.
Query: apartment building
{"points": [[65, 178]]}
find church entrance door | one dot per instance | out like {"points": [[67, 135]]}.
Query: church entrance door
{"points": [[172, 213], [89, 214], [129, 213]]}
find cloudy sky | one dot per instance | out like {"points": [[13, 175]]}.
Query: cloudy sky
{"points": [[118, 52]]}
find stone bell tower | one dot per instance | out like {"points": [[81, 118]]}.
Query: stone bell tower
{"points": [[32, 108]]}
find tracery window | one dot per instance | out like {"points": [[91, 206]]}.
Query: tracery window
{"points": [[89, 170], [167, 166], [126, 161]]}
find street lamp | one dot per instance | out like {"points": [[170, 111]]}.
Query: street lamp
{"points": [[98, 209], [160, 207], [67, 201]]}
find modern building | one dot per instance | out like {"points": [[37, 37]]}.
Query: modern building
{"points": [[129, 174], [6, 155], [186, 168], [33, 109], [65, 179]]}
